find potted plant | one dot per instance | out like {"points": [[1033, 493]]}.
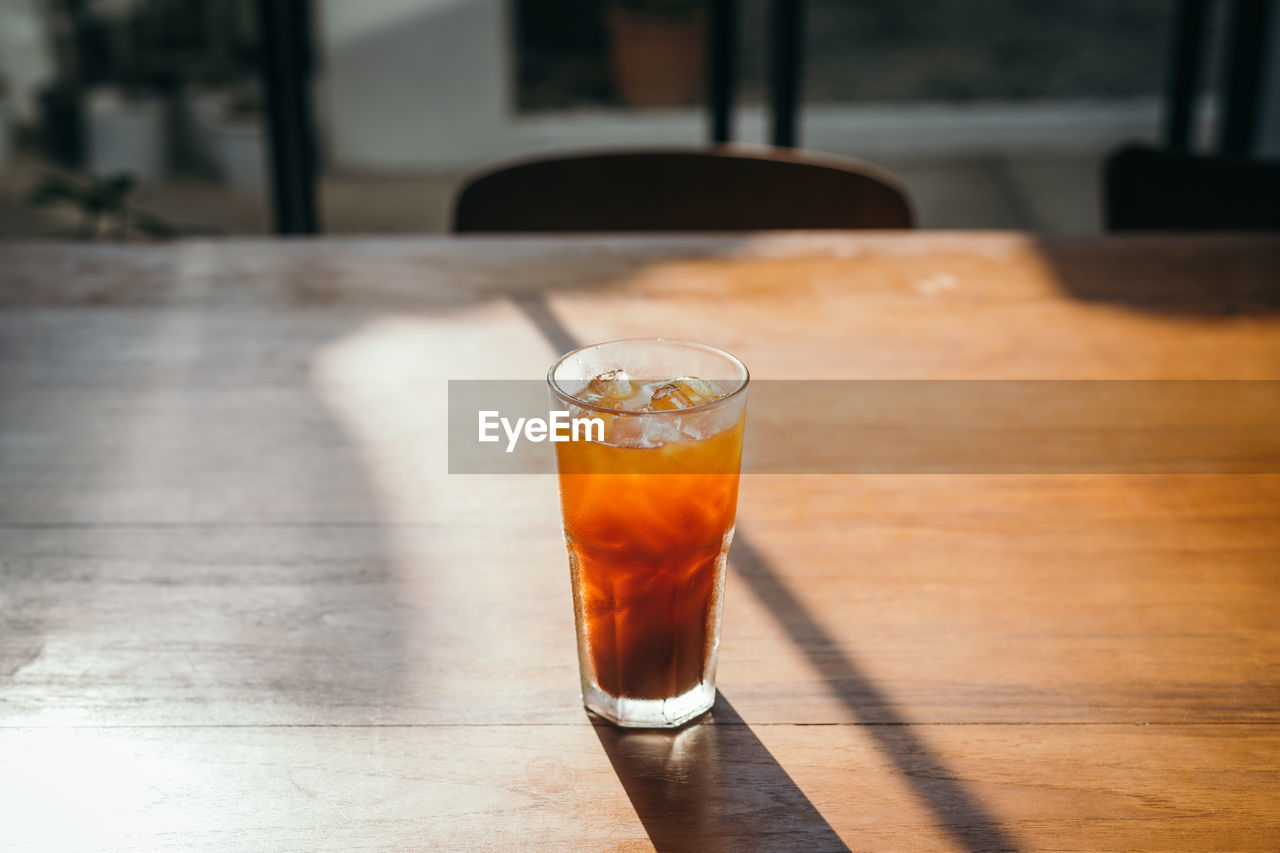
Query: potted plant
{"points": [[213, 95], [126, 133], [658, 51], [237, 141], [197, 108], [126, 113]]}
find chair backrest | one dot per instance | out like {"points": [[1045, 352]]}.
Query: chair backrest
{"points": [[1150, 189], [715, 189]]}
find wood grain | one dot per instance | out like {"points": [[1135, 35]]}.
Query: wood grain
{"points": [[550, 787], [243, 605]]}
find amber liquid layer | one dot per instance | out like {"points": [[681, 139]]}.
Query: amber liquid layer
{"points": [[647, 549]]}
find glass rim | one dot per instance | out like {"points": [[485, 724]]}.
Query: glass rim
{"points": [[595, 407]]}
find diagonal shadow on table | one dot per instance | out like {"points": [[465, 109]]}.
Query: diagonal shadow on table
{"points": [[651, 784], [960, 813], [711, 785], [1207, 275]]}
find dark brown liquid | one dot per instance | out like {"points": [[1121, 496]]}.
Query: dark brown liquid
{"points": [[644, 547], [648, 617]]}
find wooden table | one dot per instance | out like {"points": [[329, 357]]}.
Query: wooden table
{"points": [[244, 606]]}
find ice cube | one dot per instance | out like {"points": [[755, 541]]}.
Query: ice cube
{"points": [[680, 393], [610, 389], [667, 397], [697, 390]]}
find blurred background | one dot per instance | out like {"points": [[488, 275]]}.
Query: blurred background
{"points": [[993, 113]]}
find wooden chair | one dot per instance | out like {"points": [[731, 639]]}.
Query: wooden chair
{"points": [[1152, 189], [717, 189], [1175, 189]]}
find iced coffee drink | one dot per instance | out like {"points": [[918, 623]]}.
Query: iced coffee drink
{"points": [[648, 516]]}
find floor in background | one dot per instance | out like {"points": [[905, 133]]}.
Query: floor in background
{"points": [[1058, 195]]}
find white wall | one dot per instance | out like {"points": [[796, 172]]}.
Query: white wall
{"points": [[24, 54], [413, 83]]}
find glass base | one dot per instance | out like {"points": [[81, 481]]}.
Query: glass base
{"points": [[651, 713]]}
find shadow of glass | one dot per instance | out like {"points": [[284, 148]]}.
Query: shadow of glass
{"points": [[713, 786], [960, 814]]}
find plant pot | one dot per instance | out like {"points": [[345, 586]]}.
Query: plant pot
{"points": [[197, 111], [657, 60], [126, 135], [238, 147]]}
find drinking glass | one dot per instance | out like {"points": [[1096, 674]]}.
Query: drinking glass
{"points": [[648, 503]]}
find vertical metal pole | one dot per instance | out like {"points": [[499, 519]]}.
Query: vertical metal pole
{"points": [[285, 27], [785, 18], [1248, 40], [1267, 141], [721, 68], [1184, 72]]}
